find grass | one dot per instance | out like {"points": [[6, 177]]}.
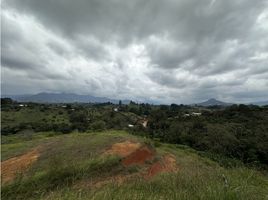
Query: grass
{"points": [[58, 175], [25, 115], [199, 184], [17, 144], [69, 159]]}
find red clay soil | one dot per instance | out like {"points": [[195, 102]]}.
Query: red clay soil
{"points": [[139, 156], [167, 164], [13, 166], [123, 148]]}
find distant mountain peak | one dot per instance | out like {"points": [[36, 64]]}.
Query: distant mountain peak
{"points": [[213, 102]]}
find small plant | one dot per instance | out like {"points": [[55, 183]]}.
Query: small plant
{"points": [[157, 143], [133, 169], [149, 143]]}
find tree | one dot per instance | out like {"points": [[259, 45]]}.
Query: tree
{"points": [[98, 125], [6, 101], [78, 117]]}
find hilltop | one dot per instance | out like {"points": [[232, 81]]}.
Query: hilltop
{"points": [[116, 165]]}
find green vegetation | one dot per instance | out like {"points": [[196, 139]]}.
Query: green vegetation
{"points": [[236, 132], [68, 162], [239, 132], [33, 117], [13, 145], [62, 118], [222, 154]]}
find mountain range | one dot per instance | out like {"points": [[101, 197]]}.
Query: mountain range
{"points": [[76, 98], [62, 98], [215, 102], [260, 103]]}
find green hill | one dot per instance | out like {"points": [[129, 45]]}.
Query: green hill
{"points": [[104, 165]]}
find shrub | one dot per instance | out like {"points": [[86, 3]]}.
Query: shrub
{"points": [[98, 125]]}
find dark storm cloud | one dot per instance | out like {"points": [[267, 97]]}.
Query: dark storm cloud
{"points": [[20, 63], [177, 50], [191, 19], [12, 55], [167, 78], [18, 54]]}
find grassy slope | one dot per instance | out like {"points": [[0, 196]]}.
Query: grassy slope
{"points": [[69, 159], [31, 115]]}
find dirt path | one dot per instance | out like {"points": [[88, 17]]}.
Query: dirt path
{"points": [[12, 167]]}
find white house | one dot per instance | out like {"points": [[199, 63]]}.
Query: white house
{"points": [[196, 114], [144, 124]]}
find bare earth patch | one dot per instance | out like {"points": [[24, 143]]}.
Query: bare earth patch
{"points": [[139, 156], [17, 165], [166, 164], [123, 148], [133, 154]]}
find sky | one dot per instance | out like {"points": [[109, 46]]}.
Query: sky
{"points": [[169, 51]]}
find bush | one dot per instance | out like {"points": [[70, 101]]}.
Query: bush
{"points": [[63, 128], [78, 117], [98, 125]]}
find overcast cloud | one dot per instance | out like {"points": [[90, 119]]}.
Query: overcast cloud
{"points": [[179, 51]]}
